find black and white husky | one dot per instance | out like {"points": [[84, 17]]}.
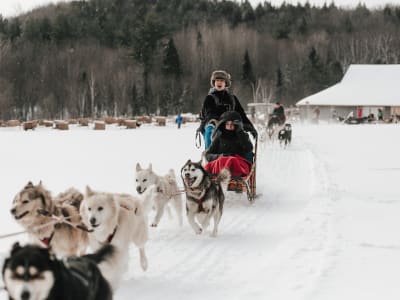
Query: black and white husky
{"points": [[285, 135], [204, 196], [31, 272]]}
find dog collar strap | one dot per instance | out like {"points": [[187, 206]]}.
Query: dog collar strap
{"points": [[46, 241], [197, 195], [111, 236]]}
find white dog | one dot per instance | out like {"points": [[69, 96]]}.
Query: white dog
{"points": [[116, 219], [166, 191]]}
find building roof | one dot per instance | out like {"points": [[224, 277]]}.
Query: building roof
{"points": [[362, 85]]}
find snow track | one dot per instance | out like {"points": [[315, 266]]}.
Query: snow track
{"points": [[277, 247]]}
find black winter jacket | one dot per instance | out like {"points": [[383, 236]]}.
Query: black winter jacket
{"points": [[226, 101], [229, 143]]}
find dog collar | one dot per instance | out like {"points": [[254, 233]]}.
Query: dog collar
{"points": [[46, 241], [111, 236]]}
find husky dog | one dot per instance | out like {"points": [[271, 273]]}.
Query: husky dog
{"points": [[166, 192], [285, 135], [31, 272], [61, 238], [116, 219], [204, 195]]}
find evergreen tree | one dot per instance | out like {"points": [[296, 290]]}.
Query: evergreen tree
{"points": [[145, 39], [247, 69], [248, 14], [171, 69], [171, 63], [279, 84], [62, 28], [314, 72], [14, 29], [45, 29]]}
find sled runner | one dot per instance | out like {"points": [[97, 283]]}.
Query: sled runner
{"points": [[246, 184]]}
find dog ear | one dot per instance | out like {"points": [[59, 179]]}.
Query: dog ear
{"points": [[150, 167], [88, 192], [28, 185], [15, 248], [138, 167]]}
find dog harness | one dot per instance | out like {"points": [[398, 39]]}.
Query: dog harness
{"points": [[46, 241], [198, 196], [111, 236]]}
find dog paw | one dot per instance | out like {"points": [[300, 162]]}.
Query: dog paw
{"points": [[199, 231], [205, 225], [153, 225], [144, 265]]}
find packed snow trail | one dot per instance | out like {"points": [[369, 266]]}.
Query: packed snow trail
{"points": [[274, 248]]}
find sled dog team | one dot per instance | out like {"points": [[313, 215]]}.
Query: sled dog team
{"points": [[65, 225]]}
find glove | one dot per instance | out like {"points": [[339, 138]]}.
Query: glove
{"points": [[200, 129], [254, 133]]}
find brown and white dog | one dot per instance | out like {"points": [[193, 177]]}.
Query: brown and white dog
{"points": [[62, 239]]}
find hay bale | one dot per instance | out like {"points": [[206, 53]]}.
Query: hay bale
{"points": [[29, 125], [144, 119], [110, 120], [61, 125], [121, 122], [130, 124], [83, 122], [72, 121], [47, 123], [99, 125], [13, 123], [161, 121]]}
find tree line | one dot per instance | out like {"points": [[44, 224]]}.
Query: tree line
{"points": [[130, 57]]}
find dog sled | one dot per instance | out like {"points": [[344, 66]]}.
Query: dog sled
{"points": [[241, 184], [246, 184]]}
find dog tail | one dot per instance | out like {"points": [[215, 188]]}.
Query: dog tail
{"points": [[171, 176], [104, 253], [224, 176]]}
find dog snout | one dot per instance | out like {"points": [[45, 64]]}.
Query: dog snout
{"points": [[139, 189], [13, 211], [92, 221], [187, 175], [25, 295]]}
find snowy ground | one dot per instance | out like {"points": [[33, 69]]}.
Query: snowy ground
{"points": [[325, 226]]}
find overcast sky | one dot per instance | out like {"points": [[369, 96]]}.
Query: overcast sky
{"points": [[14, 7]]}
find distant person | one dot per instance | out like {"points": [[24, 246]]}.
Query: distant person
{"points": [[380, 114], [218, 101], [335, 116], [277, 116], [316, 114], [179, 120], [359, 112]]}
